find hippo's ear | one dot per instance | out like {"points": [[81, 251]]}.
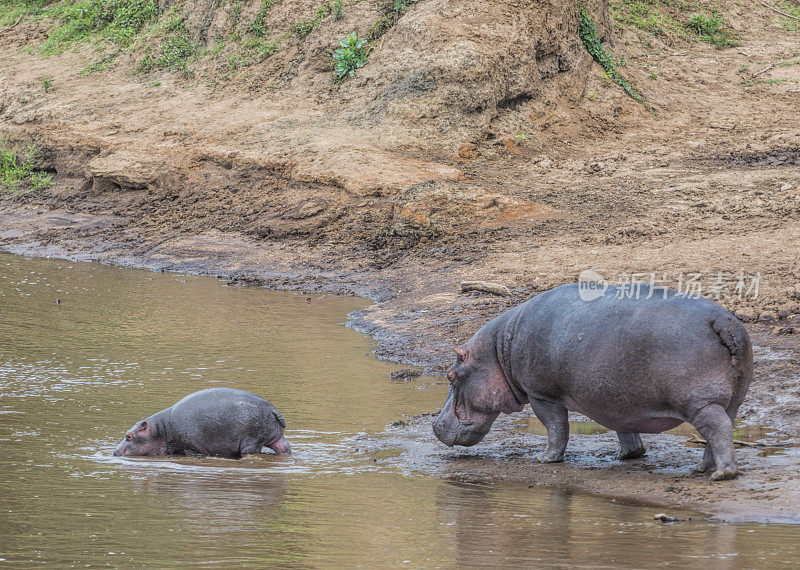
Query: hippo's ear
{"points": [[461, 355], [142, 426]]}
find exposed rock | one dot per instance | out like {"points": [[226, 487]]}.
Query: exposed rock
{"points": [[120, 171]]}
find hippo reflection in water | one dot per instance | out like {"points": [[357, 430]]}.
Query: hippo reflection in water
{"points": [[222, 422], [635, 364]]}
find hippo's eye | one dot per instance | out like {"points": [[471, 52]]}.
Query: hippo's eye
{"points": [[128, 437]]}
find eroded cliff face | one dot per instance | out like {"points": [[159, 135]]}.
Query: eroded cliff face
{"points": [[252, 121], [442, 76]]}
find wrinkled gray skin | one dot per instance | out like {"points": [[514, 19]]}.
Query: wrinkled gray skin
{"points": [[633, 365], [222, 422]]}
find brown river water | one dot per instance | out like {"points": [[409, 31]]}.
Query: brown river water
{"points": [[122, 344]]}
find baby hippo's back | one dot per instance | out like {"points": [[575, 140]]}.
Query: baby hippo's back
{"points": [[224, 422]]}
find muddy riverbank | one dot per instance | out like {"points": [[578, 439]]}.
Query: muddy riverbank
{"points": [[417, 317]]}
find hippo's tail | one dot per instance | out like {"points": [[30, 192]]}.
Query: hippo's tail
{"points": [[732, 334], [734, 337], [279, 417]]}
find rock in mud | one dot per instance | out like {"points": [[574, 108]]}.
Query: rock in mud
{"points": [[666, 518], [119, 171]]}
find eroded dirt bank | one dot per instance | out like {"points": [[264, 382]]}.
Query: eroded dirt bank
{"points": [[319, 187]]}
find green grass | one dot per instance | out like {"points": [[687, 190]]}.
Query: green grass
{"points": [[118, 21], [789, 24], [17, 169], [391, 11], [647, 15], [174, 53], [257, 27], [709, 28], [337, 9], [687, 19], [591, 41], [13, 11], [253, 50], [308, 25], [47, 82], [175, 48]]}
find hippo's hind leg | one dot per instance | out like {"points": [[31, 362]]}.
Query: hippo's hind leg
{"points": [[715, 425], [630, 445], [554, 418], [708, 463]]}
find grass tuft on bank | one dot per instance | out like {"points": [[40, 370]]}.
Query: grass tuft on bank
{"points": [[672, 19], [17, 171], [118, 21]]}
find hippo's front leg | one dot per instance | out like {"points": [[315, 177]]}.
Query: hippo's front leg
{"points": [[554, 418], [630, 445]]}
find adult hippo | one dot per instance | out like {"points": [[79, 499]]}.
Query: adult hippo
{"points": [[640, 363], [218, 421]]}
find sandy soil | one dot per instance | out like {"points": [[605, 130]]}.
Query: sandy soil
{"points": [[707, 181]]}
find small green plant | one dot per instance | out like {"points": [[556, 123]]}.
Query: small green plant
{"points": [[591, 41], [653, 76], [47, 82], [336, 9], [709, 28], [18, 168], [350, 56]]}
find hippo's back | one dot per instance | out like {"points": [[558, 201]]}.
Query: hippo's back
{"points": [[219, 421], [622, 356]]}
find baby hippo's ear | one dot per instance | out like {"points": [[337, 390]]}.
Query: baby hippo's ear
{"points": [[461, 355], [142, 426]]}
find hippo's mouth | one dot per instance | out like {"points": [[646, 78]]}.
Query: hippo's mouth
{"points": [[458, 433], [446, 436]]}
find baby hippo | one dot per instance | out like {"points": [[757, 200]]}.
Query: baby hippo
{"points": [[222, 422]]}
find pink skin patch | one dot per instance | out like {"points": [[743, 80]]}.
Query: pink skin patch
{"points": [[280, 446]]}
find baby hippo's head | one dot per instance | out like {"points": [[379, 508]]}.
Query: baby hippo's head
{"points": [[141, 439]]}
